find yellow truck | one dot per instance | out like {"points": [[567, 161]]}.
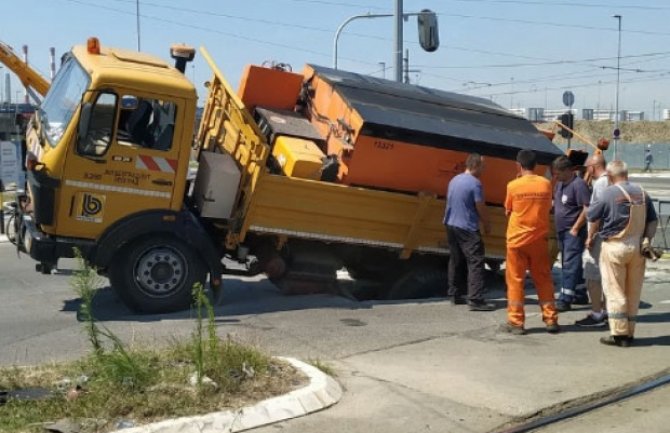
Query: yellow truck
{"points": [[109, 152]]}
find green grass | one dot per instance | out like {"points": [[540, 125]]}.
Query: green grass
{"points": [[323, 366]]}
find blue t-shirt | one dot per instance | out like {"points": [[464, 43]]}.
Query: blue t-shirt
{"points": [[464, 191], [569, 201]]}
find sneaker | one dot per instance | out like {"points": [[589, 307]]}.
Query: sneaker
{"points": [[590, 321], [553, 328], [562, 306], [458, 300], [481, 305], [616, 340], [511, 329]]}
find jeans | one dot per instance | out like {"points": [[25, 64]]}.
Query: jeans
{"points": [[572, 272]]}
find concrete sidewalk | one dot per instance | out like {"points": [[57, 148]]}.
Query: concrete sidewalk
{"points": [[478, 380]]}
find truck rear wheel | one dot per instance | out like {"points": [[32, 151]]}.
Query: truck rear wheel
{"points": [[156, 274]]}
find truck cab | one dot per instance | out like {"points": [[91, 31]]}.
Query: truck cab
{"points": [[107, 156]]}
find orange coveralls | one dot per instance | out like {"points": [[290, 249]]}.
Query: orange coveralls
{"points": [[528, 204]]}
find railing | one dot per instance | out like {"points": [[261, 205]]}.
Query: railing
{"points": [[662, 239]]}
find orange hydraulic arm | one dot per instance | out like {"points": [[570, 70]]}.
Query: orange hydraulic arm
{"points": [[28, 76]]}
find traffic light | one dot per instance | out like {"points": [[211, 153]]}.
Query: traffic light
{"points": [[429, 37], [567, 119]]}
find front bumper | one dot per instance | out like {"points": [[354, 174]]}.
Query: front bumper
{"points": [[48, 249]]}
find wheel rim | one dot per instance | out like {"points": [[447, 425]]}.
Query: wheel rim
{"points": [[160, 271]]}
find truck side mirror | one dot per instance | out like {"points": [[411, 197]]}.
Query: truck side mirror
{"points": [[429, 37]]}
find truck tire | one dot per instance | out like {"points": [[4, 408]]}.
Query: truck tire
{"points": [[418, 283], [156, 274]]}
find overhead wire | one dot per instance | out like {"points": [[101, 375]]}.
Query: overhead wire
{"points": [[216, 31], [568, 4], [553, 24]]}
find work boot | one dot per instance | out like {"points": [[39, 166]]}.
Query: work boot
{"points": [[562, 306], [511, 329], [481, 305], [617, 340], [581, 300], [458, 300], [553, 328]]}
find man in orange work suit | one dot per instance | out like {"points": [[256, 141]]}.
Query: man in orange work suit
{"points": [[527, 205]]}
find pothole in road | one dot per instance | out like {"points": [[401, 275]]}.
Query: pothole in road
{"points": [[353, 322]]}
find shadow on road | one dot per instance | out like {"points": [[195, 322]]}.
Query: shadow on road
{"points": [[240, 298], [663, 340]]}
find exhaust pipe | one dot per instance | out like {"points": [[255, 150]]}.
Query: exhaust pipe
{"points": [[181, 54]]}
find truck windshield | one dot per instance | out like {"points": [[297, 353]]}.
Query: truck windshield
{"points": [[62, 100]]}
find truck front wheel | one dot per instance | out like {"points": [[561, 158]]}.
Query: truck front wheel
{"points": [[156, 274]]}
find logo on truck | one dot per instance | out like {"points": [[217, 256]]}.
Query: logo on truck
{"points": [[90, 207]]}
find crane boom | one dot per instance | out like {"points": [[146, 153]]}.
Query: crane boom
{"points": [[29, 77]]}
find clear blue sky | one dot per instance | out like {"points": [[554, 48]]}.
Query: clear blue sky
{"points": [[518, 52]]}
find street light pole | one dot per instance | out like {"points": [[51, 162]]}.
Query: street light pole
{"points": [[398, 43], [341, 27], [618, 72]]}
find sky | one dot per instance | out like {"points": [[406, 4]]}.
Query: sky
{"points": [[519, 53]]}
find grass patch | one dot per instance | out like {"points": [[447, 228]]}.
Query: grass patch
{"points": [[323, 366], [145, 386], [115, 383]]}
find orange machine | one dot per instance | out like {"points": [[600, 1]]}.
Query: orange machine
{"points": [[399, 137]]}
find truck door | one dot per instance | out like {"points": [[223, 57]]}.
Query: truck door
{"points": [[124, 161]]}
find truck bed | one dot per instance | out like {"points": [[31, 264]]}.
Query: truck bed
{"points": [[338, 213]]}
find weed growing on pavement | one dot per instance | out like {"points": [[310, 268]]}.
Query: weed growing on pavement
{"points": [[209, 354], [85, 281], [323, 366]]}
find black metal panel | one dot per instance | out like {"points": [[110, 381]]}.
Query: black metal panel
{"points": [[437, 118], [43, 190]]}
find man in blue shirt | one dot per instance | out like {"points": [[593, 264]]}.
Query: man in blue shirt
{"points": [[571, 202], [465, 209]]}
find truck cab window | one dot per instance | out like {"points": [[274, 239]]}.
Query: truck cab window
{"points": [[95, 140], [146, 123]]}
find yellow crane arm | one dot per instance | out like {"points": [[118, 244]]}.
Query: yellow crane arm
{"points": [[28, 76]]}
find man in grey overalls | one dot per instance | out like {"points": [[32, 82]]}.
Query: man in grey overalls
{"points": [[625, 217]]}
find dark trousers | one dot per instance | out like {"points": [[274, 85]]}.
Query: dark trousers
{"points": [[572, 271], [466, 263]]}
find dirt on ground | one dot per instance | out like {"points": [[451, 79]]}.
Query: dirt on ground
{"points": [[646, 132]]}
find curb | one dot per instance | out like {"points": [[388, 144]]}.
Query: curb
{"points": [[322, 392]]}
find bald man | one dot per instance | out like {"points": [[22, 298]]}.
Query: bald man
{"points": [[597, 317]]}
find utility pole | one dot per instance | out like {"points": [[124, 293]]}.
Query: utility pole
{"points": [[618, 72], [383, 65], [406, 68], [137, 3], [398, 40], [653, 110]]}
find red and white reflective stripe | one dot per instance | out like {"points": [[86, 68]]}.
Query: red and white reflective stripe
{"points": [[156, 163]]}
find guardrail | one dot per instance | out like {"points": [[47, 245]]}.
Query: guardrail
{"points": [[662, 238]]}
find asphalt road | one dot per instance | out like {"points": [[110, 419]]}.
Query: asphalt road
{"points": [[406, 366]]}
